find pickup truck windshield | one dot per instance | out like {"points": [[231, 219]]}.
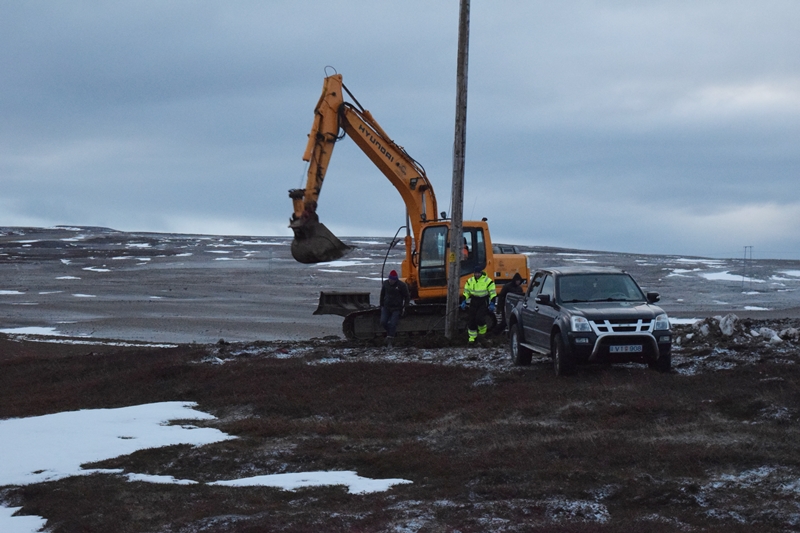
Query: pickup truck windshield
{"points": [[598, 288]]}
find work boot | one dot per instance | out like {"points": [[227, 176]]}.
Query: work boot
{"points": [[389, 341]]}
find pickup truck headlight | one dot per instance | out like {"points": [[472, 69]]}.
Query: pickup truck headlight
{"points": [[579, 323], [662, 322]]}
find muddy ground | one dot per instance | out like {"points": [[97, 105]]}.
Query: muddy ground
{"points": [[486, 446]]}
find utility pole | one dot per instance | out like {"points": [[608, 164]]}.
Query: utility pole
{"points": [[744, 268], [457, 198]]}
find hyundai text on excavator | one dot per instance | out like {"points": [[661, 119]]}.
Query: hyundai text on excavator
{"points": [[424, 267]]}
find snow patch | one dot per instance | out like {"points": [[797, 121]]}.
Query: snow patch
{"points": [[31, 331], [19, 524], [342, 264], [682, 321], [727, 276], [260, 243], [52, 447], [355, 483], [162, 480], [709, 262], [76, 238]]}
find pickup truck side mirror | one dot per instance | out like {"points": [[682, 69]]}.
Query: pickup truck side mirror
{"points": [[543, 299], [653, 297]]}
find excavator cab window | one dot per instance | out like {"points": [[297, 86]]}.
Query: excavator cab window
{"points": [[474, 253], [433, 254], [433, 257]]}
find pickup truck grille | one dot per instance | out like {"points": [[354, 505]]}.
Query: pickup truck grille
{"points": [[622, 326]]}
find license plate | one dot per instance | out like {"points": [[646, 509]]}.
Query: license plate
{"points": [[626, 348]]}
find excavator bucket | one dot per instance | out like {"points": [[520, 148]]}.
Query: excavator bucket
{"points": [[342, 303], [314, 243]]}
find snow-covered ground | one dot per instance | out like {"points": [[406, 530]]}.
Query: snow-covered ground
{"points": [[51, 447]]}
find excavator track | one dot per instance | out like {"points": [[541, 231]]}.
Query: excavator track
{"points": [[422, 319]]}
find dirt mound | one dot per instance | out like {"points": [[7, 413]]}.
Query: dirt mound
{"points": [[722, 342], [731, 332]]}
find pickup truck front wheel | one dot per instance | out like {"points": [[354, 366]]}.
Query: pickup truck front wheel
{"points": [[563, 362], [522, 355], [663, 363]]}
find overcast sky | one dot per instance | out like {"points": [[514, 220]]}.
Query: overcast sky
{"points": [[654, 127]]}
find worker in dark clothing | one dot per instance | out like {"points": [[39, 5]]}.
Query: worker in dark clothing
{"points": [[393, 301], [481, 296], [515, 286]]}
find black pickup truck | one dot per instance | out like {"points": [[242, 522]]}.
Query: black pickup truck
{"points": [[581, 315]]}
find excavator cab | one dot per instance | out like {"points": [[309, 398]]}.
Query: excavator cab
{"points": [[434, 248]]}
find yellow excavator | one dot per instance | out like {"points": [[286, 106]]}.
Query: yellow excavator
{"points": [[425, 266]]}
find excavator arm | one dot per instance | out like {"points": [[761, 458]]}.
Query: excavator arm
{"points": [[313, 242]]}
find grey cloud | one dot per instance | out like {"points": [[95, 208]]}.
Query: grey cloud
{"points": [[140, 114]]}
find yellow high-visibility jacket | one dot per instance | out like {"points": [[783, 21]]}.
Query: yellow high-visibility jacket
{"points": [[482, 287]]}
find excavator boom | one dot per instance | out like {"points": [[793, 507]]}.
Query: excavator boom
{"points": [[313, 242]]}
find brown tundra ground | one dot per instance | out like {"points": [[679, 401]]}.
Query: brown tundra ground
{"points": [[487, 446]]}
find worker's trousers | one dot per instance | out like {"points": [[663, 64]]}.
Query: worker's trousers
{"points": [[478, 310], [389, 320]]}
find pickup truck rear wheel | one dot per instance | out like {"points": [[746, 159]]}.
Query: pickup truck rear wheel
{"points": [[520, 354], [563, 362]]}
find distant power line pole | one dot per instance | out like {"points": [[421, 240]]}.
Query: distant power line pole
{"points": [[744, 267], [457, 198]]}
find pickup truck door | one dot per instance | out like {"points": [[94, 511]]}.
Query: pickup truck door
{"points": [[543, 315], [527, 313]]}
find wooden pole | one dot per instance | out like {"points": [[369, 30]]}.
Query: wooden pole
{"points": [[457, 199]]}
